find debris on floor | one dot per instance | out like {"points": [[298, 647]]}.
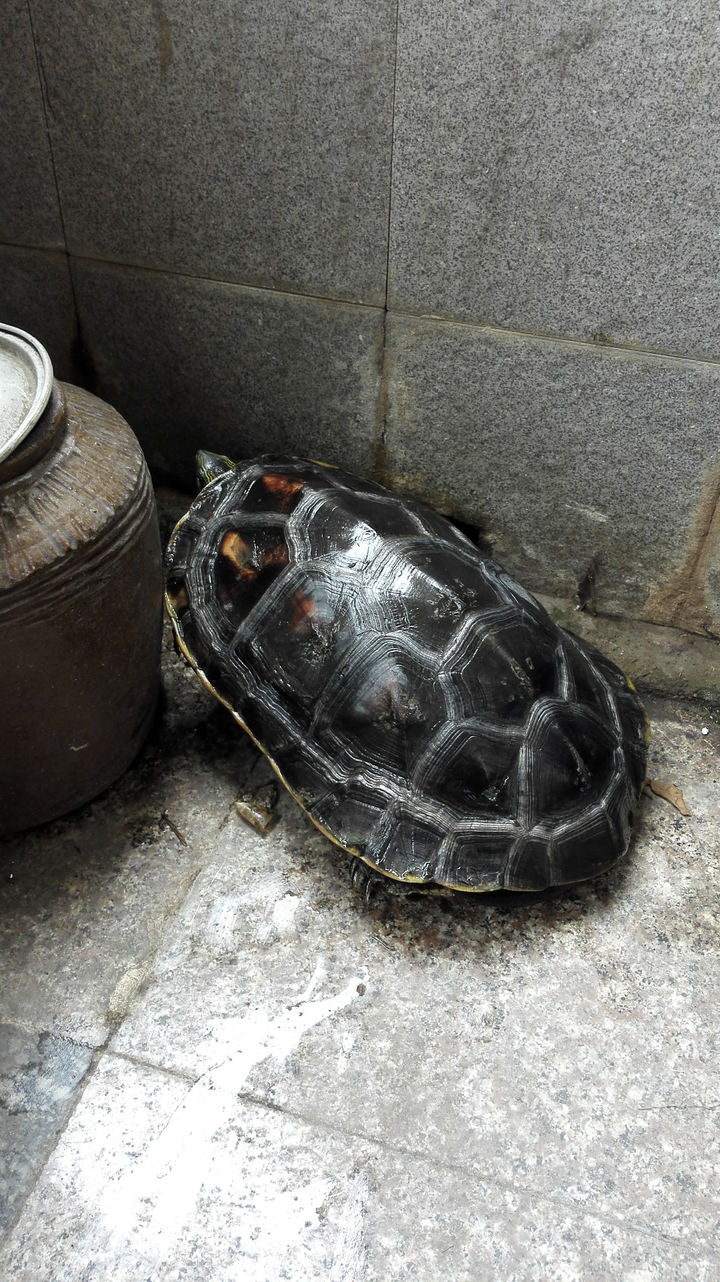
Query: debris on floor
{"points": [[258, 806], [670, 793]]}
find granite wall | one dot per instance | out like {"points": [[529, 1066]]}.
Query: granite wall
{"points": [[470, 248]]}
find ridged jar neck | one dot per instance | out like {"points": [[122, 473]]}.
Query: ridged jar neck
{"points": [[46, 433], [64, 507]]}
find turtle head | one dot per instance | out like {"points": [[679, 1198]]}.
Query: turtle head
{"points": [[208, 466]]}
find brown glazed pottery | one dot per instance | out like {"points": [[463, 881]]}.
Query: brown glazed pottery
{"points": [[80, 608]]}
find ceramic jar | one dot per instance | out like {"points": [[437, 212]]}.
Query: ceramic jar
{"points": [[80, 606]]}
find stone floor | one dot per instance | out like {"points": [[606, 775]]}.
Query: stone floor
{"points": [[219, 1061]]}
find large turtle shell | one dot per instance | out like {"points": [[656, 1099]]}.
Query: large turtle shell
{"points": [[419, 704]]}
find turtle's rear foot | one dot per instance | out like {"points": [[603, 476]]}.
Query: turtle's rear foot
{"points": [[364, 879]]}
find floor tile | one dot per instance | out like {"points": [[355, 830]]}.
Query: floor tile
{"points": [[512, 1086], [39, 1078], [562, 1046], [84, 903], [156, 1177]]}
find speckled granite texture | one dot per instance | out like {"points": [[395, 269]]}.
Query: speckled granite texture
{"points": [[555, 168], [571, 458], [257, 148], [36, 295], [236, 370], [29, 207], [220, 1060], [260, 203]]}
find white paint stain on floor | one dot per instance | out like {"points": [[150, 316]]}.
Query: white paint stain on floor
{"points": [[151, 1205], [349, 1259], [280, 919], [220, 928]]}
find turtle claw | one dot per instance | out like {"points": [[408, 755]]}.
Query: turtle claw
{"points": [[361, 875], [369, 886]]}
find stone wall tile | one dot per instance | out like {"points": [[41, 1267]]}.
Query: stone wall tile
{"points": [[556, 169], [226, 139], [193, 363], [29, 211], [36, 295], [590, 470]]}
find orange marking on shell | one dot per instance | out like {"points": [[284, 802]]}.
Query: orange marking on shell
{"points": [[238, 553], [283, 488]]}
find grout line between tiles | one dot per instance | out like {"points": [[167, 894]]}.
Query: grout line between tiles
{"points": [[382, 404], [498, 331], [392, 154], [657, 354], [528, 1191], [338, 301], [417, 1155], [140, 1061], [42, 1165], [47, 111], [118, 265]]}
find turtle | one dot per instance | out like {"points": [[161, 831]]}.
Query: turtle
{"points": [[420, 705]]}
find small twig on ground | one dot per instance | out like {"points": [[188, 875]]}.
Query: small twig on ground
{"points": [[166, 822]]}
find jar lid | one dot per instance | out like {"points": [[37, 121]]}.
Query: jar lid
{"points": [[26, 379]]}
